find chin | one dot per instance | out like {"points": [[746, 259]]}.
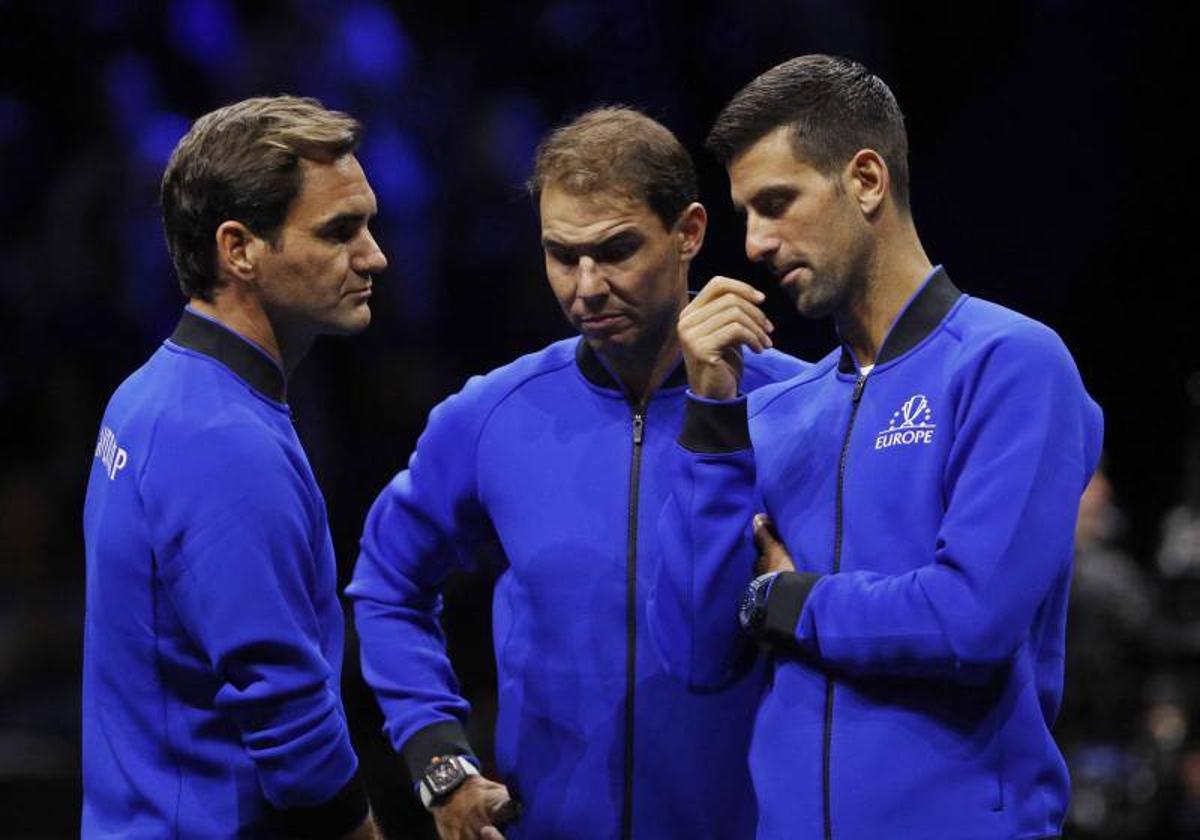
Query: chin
{"points": [[815, 309], [815, 301], [352, 323]]}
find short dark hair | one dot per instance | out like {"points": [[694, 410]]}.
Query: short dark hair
{"points": [[834, 107], [242, 163], [618, 148]]}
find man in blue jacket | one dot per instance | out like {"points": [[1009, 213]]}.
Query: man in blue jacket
{"points": [[559, 458], [213, 637], [925, 477]]}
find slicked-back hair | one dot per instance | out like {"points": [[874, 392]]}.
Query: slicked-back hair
{"points": [[242, 163], [619, 149], [834, 106]]}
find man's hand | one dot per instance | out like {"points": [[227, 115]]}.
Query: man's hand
{"points": [[368, 830], [773, 555], [712, 330], [473, 811]]}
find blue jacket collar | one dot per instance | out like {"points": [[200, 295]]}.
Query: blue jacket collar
{"points": [[922, 315], [596, 372], [204, 335]]}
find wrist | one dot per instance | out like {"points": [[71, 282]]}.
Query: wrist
{"points": [[710, 382], [717, 389]]}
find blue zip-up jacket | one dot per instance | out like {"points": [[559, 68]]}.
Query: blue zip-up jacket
{"points": [[547, 457], [213, 635], [930, 509]]}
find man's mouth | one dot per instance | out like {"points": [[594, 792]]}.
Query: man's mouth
{"points": [[789, 275], [601, 322], [782, 271]]}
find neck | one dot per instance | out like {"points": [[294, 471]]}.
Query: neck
{"points": [[643, 369], [251, 322], [887, 281], [641, 374]]}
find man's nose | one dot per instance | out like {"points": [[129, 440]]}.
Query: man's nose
{"points": [[761, 241], [370, 259], [592, 283]]}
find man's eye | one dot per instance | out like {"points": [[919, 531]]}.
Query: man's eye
{"points": [[773, 208], [562, 257], [617, 252]]}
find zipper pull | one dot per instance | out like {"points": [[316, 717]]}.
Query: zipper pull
{"points": [[639, 422], [858, 388]]}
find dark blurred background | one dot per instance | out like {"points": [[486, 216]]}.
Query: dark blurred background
{"points": [[1051, 173]]}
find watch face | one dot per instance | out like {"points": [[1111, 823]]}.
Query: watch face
{"points": [[443, 776], [746, 607]]}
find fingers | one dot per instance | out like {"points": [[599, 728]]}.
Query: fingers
{"points": [[718, 286], [470, 811], [723, 301], [714, 327], [504, 808], [745, 299], [489, 832], [773, 555], [765, 535], [727, 327]]}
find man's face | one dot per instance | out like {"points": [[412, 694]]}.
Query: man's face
{"points": [[617, 271], [318, 277], [801, 223]]}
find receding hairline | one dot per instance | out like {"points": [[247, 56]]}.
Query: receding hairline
{"points": [[607, 199], [618, 150]]}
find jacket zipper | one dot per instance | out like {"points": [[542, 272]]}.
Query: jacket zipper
{"points": [[635, 469], [855, 399]]}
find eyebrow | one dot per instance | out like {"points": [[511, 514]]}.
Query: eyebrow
{"points": [[342, 220], [773, 191], [619, 236]]}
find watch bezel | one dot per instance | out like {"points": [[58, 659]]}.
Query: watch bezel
{"points": [[752, 609], [444, 775]]}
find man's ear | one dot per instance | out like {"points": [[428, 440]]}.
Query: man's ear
{"points": [[692, 224], [868, 180], [237, 251]]}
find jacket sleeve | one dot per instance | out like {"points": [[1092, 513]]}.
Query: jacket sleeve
{"points": [[426, 523], [706, 552], [236, 534], [1027, 438]]}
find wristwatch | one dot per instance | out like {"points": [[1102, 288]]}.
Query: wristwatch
{"points": [[443, 775], [752, 609]]}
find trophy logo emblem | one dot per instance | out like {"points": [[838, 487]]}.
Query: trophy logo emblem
{"points": [[912, 410], [911, 423]]}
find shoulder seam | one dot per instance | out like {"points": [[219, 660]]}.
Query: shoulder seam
{"points": [[817, 371]]}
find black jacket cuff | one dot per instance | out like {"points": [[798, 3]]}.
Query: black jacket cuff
{"points": [[334, 818], [785, 601], [444, 738], [715, 427]]}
